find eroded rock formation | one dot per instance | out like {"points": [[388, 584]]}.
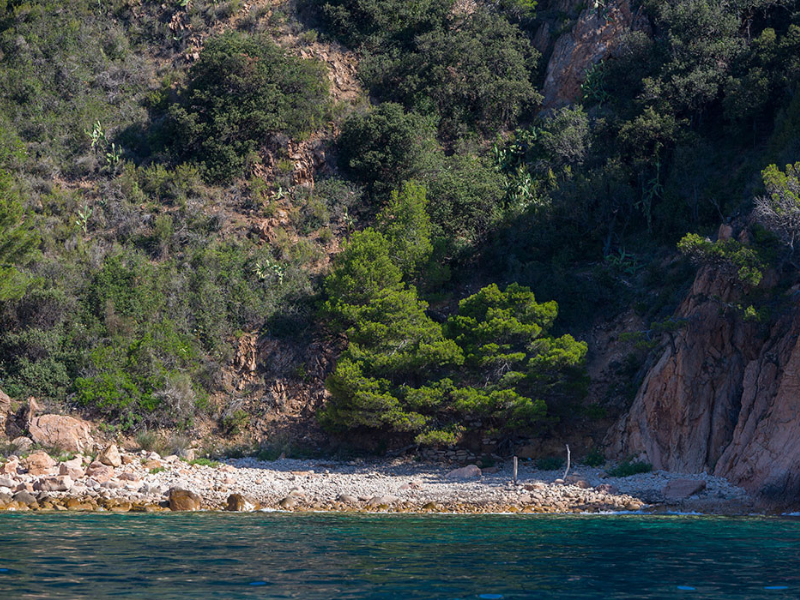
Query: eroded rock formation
{"points": [[723, 397]]}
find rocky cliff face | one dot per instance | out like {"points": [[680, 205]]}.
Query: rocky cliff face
{"points": [[723, 397], [597, 32]]}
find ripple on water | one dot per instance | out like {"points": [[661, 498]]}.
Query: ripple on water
{"points": [[408, 557]]}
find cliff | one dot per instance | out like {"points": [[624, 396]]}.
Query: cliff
{"points": [[723, 397]]}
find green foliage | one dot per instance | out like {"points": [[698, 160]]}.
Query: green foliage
{"points": [[204, 462], [387, 146], [630, 467], [18, 240], [731, 254], [550, 463], [405, 224], [405, 373], [779, 210], [474, 74], [594, 458], [243, 90]]}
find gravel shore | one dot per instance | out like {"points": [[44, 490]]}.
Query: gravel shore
{"points": [[147, 482]]}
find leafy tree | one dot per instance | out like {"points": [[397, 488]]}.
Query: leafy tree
{"points": [[17, 239], [381, 23], [243, 90], [779, 210], [406, 225], [737, 258], [474, 74]]}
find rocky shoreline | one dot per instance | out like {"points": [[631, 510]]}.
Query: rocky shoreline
{"points": [[120, 481]]}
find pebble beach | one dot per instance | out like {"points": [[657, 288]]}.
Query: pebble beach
{"points": [[123, 481]]}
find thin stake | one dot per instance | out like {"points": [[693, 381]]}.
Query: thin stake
{"points": [[515, 470], [567, 469]]}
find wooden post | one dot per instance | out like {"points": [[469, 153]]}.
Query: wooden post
{"points": [[567, 469], [515, 470]]}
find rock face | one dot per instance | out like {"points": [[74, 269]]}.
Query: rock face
{"points": [[5, 408], [184, 500], [57, 431], [723, 397], [592, 39]]}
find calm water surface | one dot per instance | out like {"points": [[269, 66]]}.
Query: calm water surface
{"points": [[268, 555]]}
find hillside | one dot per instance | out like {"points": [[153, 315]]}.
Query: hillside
{"points": [[453, 228]]}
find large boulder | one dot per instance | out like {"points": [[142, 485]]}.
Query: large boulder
{"points": [[58, 431], [680, 489], [40, 463], [110, 456], [61, 483], [240, 503], [10, 466], [22, 444], [100, 472], [184, 500], [73, 468], [468, 472]]}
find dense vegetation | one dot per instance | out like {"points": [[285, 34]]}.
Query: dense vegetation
{"points": [[153, 215]]}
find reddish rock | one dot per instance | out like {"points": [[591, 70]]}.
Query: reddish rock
{"points": [[152, 464], [239, 503], [73, 468], [593, 38], [128, 476], [40, 463], [468, 472], [183, 500], [58, 431], [680, 489], [110, 456], [10, 467], [723, 396], [100, 472]]}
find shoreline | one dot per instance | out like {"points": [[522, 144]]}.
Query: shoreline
{"points": [[145, 482]]}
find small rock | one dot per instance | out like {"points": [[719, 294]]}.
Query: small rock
{"points": [[152, 464], [172, 458], [468, 472], [10, 467], [183, 500], [110, 456], [112, 484], [411, 485], [127, 459], [347, 499], [40, 463], [128, 476], [7, 482], [531, 487]]}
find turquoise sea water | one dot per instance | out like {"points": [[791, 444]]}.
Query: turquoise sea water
{"points": [[324, 556]]}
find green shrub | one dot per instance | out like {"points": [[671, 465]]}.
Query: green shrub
{"points": [[731, 254], [630, 467], [594, 458], [386, 146], [243, 90], [550, 463], [204, 462]]}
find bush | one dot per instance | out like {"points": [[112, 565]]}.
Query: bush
{"points": [[594, 458], [550, 463], [474, 74], [630, 467], [386, 146], [243, 90], [730, 254]]}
